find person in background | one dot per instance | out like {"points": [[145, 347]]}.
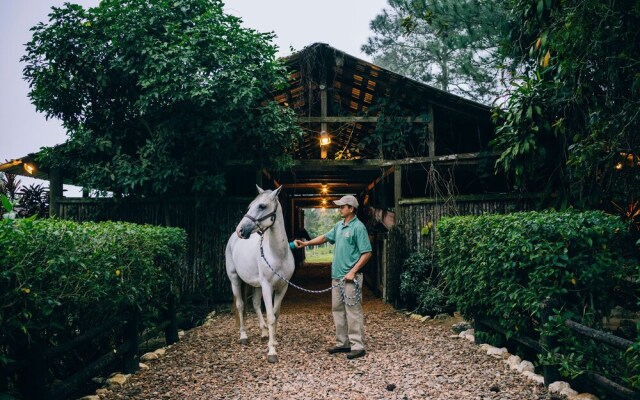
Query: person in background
{"points": [[352, 251]]}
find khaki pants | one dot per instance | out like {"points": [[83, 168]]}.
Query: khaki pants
{"points": [[349, 320]]}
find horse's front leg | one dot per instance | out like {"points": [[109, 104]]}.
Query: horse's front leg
{"points": [[236, 288], [277, 302], [267, 296], [257, 307]]}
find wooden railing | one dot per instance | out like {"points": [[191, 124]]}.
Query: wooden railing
{"points": [[545, 343], [32, 370]]}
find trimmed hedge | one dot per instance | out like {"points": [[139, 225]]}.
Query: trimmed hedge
{"points": [[59, 278], [504, 266]]}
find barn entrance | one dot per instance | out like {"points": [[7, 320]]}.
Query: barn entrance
{"points": [[309, 190]]}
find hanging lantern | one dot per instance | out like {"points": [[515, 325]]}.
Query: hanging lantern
{"points": [[325, 139], [29, 168]]}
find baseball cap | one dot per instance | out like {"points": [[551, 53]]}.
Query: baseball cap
{"points": [[347, 200]]}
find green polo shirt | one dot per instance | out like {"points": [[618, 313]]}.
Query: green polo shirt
{"points": [[351, 241]]}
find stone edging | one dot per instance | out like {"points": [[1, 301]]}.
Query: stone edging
{"points": [[526, 368]]}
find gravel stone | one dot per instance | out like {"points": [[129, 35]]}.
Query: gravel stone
{"points": [[406, 359]]}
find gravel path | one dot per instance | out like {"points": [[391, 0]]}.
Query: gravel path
{"points": [[406, 359]]}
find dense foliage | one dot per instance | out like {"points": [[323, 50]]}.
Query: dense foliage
{"points": [[60, 278], [504, 266], [571, 121], [421, 287], [156, 95]]}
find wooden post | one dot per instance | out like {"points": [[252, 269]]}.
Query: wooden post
{"points": [[292, 220], [397, 245], [130, 359], [548, 343], [55, 191], [32, 380], [432, 134], [397, 190], [323, 114], [169, 314]]}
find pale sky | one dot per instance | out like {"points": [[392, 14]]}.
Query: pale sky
{"points": [[343, 24]]}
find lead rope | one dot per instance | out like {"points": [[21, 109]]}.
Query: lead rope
{"points": [[340, 285]]}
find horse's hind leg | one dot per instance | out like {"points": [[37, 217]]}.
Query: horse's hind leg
{"points": [[236, 288], [257, 307]]}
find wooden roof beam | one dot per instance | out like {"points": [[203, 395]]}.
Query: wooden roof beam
{"points": [[353, 119], [318, 185], [450, 158], [373, 164]]}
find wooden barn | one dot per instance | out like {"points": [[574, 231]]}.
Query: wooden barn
{"points": [[409, 152]]}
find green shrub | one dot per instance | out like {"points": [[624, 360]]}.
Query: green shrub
{"points": [[59, 278], [504, 266], [421, 289]]}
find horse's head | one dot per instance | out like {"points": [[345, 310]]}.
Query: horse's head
{"points": [[261, 213]]}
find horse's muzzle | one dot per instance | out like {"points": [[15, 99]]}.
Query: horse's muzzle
{"points": [[244, 231]]}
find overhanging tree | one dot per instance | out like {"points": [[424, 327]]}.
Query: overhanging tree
{"points": [[571, 124], [156, 95], [450, 44]]}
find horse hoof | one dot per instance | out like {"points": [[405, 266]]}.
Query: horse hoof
{"points": [[243, 342], [272, 358]]}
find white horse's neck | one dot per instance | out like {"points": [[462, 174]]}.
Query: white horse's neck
{"points": [[276, 235]]}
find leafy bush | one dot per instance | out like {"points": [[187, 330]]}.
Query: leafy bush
{"points": [[60, 278], [504, 266], [34, 200], [420, 285]]}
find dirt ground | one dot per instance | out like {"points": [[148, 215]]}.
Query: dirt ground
{"points": [[406, 359]]}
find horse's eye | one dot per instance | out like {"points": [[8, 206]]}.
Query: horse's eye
{"points": [[262, 206]]}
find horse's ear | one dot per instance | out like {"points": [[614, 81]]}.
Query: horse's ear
{"points": [[276, 192], [260, 190]]}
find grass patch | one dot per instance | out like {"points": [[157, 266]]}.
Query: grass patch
{"points": [[319, 254]]}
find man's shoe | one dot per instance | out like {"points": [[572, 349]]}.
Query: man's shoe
{"points": [[356, 354], [334, 350]]}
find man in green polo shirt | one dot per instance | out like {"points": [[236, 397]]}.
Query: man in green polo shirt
{"points": [[352, 251]]}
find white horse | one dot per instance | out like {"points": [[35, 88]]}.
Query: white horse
{"points": [[262, 226]]}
